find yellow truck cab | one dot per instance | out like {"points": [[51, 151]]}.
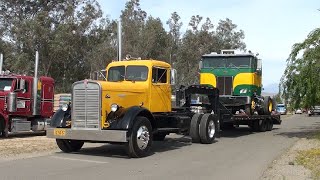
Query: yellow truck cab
{"points": [[133, 106]]}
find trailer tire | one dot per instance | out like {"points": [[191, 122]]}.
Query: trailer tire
{"points": [[194, 128], [269, 125], [141, 137], [263, 125], [159, 137], [68, 146], [208, 128]]}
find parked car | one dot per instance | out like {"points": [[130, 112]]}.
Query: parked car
{"points": [[314, 110], [281, 108], [298, 111]]}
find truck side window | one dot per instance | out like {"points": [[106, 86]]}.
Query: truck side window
{"points": [[159, 75]]}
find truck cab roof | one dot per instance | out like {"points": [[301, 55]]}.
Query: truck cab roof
{"points": [[148, 63]]}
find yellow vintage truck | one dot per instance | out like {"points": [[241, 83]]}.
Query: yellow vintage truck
{"points": [[133, 106]]}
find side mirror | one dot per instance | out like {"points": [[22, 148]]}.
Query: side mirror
{"points": [[259, 65], [173, 78], [200, 64]]}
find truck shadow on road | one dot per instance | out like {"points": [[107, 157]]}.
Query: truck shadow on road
{"points": [[118, 150], [302, 132]]}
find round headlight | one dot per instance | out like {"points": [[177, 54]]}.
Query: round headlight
{"points": [[64, 107], [114, 107]]}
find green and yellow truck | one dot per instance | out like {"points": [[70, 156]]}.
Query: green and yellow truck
{"points": [[238, 76]]}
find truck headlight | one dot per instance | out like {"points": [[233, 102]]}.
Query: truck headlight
{"points": [[243, 91], [114, 107], [64, 107]]}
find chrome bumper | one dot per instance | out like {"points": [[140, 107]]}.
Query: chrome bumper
{"points": [[89, 135]]}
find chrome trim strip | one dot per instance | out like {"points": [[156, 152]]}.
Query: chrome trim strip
{"points": [[91, 135]]}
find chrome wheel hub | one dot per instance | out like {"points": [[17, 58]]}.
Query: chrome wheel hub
{"points": [[211, 129], [143, 137]]}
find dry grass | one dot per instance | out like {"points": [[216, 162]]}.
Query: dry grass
{"points": [[311, 158]]}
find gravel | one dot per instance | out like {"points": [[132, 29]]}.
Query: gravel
{"points": [[26, 146], [285, 166]]}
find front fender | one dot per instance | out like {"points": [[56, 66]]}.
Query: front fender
{"points": [[60, 118], [127, 116]]}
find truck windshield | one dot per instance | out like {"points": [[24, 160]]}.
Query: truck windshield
{"points": [[130, 73], [227, 62], [5, 84], [116, 73], [137, 73]]}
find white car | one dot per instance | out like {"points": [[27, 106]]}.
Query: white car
{"points": [[298, 111]]}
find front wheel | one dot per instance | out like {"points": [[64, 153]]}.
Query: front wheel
{"points": [[4, 129], [140, 140], [68, 146]]}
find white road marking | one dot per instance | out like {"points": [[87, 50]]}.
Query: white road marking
{"points": [[74, 159]]}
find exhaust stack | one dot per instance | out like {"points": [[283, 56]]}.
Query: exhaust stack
{"points": [[36, 101], [119, 40], [1, 63]]}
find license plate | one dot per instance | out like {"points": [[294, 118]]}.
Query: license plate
{"points": [[59, 132]]}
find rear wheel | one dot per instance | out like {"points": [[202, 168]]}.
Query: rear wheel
{"points": [[208, 125], [194, 128], [140, 140], [263, 125], [269, 125], [68, 146]]}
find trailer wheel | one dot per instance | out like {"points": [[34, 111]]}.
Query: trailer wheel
{"points": [[194, 128], [68, 146], [140, 140], [269, 125], [208, 125], [159, 137], [263, 125]]}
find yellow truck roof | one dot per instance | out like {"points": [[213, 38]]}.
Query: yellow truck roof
{"points": [[148, 63]]}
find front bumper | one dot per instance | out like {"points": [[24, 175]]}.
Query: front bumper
{"points": [[88, 135]]}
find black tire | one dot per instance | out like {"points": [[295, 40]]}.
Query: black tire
{"points": [[132, 147], [159, 137], [208, 128], [269, 125], [254, 126], [4, 128], [68, 146], [248, 110], [194, 128], [266, 105], [263, 125]]}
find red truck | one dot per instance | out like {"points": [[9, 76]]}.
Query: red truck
{"points": [[26, 102]]}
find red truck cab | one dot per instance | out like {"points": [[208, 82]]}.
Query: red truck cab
{"points": [[26, 103]]}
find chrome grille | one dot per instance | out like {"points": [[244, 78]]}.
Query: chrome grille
{"points": [[86, 105]]}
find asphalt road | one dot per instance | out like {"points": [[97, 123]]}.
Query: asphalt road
{"points": [[238, 154]]}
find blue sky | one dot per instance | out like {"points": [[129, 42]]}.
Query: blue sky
{"points": [[271, 27]]}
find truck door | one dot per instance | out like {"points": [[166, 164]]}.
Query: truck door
{"points": [[24, 97], [160, 90], [47, 95]]}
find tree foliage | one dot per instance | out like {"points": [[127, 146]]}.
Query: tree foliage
{"points": [[299, 83], [74, 39]]}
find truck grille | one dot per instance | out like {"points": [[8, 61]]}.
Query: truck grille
{"points": [[86, 105], [224, 84]]}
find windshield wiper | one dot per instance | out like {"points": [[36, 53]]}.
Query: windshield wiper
{"points": [[234, 66]]}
